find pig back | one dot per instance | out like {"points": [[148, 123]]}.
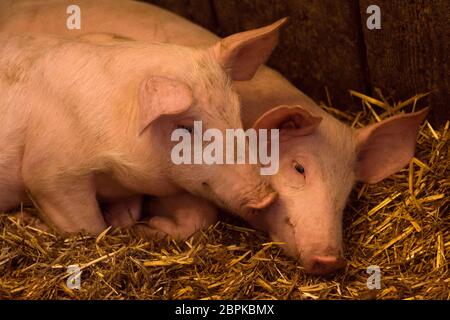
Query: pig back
{"points": [[133, 19], [146, 22]]}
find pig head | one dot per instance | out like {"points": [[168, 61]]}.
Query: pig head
{"points": [[322, 159], [237, 187]]}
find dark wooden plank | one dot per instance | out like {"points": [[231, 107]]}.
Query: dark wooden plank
{"points": [[322, 46], [410, 53]]}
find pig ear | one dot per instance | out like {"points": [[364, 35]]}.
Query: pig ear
{"points": [[386, 147], [242, 53], [293, 120], [162, 96]]}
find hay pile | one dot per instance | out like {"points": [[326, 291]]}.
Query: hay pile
{"points": [[401, 225]]}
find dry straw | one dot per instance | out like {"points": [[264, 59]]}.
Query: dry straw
{"points": [[401, 225]]}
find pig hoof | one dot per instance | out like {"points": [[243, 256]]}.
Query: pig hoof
{"points": [[122, 214], [159, 227], [169, 227], [143, 230], [27, 219]]}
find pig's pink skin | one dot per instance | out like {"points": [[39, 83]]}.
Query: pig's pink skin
{"points": [[141, 21], [312, 198], [180, 216], [310, 205], [313, 233], [69, 144], [177, 216], [307, 216], [123, 213]]}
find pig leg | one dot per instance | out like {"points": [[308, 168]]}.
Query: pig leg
{"points": [[124, 213], [179, 216], [11, 189], [9, 200], [68, 206]]}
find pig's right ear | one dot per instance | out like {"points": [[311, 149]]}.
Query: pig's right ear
{"points": [[385, 147], [293, 120], [242, 53], [160, 96]]}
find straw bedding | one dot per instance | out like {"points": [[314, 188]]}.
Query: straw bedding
{"points": [[401, 225]]}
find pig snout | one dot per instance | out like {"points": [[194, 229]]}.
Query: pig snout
{"points": [[324, 264]]}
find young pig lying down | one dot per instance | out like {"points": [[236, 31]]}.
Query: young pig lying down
{"points": [[320, 161], [82, 122], [321, 158]]}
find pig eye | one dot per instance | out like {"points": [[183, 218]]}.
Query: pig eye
{"points": [[299, 168], [187, 128]]}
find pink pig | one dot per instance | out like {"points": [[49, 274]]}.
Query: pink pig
{"points": [[82, 122], [321, 158]]}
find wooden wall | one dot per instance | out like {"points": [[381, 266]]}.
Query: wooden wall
{"points": [[327, 45]]}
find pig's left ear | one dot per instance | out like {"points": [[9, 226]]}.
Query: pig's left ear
{"points": [[160, 96], [294, 120], [386, 147], [242, 53]]}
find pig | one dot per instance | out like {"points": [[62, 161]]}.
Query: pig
{"points": [[84, 123], [321, 158]]}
